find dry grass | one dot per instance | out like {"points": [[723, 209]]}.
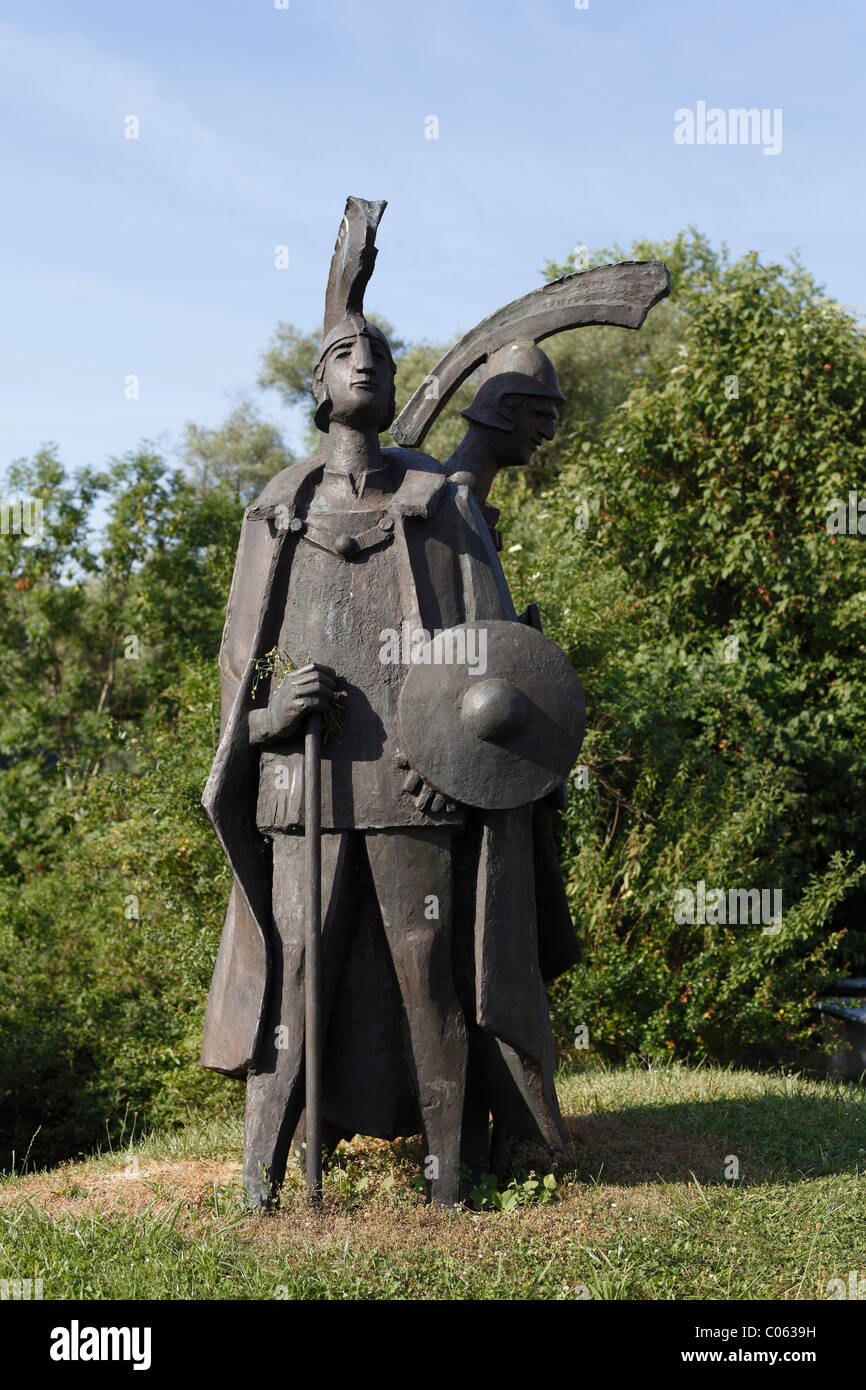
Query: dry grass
{"points": [[132, 1185]]}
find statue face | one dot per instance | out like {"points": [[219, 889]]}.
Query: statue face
{"points": [[359, 377], [534, 420]]}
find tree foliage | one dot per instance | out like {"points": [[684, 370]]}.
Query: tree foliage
{"points": [[682, 558], [244, 453], [111, 885]]}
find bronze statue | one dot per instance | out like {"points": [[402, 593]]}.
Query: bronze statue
{"points": [[368, 594]]}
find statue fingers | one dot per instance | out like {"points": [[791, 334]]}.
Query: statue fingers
{"points": [[315, 685], [316, 666], [311, 704], [312, 676]]}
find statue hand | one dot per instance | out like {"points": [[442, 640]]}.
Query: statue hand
{"points": [[426, 797], [308, 690]]}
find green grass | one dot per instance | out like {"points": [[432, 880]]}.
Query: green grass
{"points": [[642, 1208]]}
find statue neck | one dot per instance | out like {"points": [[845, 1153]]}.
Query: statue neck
{"points": [[473, 455], [351, 450]]}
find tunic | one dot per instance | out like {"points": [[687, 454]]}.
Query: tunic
{"points": [[340, 611]]}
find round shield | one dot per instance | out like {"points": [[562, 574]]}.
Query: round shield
{"points": [[492, 714]]}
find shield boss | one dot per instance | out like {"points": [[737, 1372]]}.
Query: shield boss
{"points": [[492, 714]]}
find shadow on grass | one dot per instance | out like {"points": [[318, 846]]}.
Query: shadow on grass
{"points": [[775, 1138]]}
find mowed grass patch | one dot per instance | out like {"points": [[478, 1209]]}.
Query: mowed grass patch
{"points": [[642, 1209]]}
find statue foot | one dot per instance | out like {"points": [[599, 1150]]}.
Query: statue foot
{"points": [[260, 1195], [444, 1191]]}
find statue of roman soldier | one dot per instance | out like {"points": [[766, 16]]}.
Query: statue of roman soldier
{"points": [[443, 910]]}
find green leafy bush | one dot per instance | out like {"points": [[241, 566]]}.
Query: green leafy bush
{"points": [[106, 952], [683, 561], [113, 887]]}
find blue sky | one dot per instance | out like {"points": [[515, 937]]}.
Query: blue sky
{"points": [[155, 257]]}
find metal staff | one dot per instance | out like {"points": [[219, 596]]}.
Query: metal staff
{"points": [[313, 952]]}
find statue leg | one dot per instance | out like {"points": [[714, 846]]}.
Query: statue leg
{"points": [[275, 1090], [475, 1139], [412, 874]]}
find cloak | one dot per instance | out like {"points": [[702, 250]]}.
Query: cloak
{"points": [[512, 918]]}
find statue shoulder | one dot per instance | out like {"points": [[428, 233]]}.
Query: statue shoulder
{"points": [[282, 490], [263, 521], [421, 482], [408, 460]]}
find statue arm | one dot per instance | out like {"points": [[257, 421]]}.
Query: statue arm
{"points": [[260, 726]]}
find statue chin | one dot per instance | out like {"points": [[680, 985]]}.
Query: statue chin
{"points": [[366, 415]]}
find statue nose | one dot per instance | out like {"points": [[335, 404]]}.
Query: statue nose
{"points": [[364, 361]]}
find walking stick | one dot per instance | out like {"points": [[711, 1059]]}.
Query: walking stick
{"points": [[313, 952]]}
